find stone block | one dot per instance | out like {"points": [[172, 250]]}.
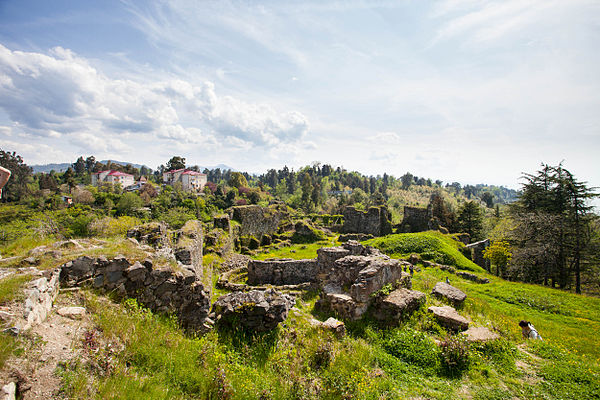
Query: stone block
{"points": [[449, 292], [450, 318]]}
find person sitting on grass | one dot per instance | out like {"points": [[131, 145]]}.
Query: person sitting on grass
{"points": [[529, 331]]}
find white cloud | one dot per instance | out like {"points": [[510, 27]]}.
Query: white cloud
{"points": [[63, 94], [482, 21], [5, 131], [384, 138]]}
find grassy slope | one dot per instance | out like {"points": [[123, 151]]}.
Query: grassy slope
{"points": [[431, 245], [158, 361]]}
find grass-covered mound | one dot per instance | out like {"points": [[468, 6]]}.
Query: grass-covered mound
{"points": [[431, 245]]}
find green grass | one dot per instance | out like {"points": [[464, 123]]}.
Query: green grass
{"points": [[296, 251], [431, 245], [10, 287]]}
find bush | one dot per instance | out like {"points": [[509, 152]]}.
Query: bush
{"points": [[108, 226], [454, 355], [177, 217], [413, 347]]}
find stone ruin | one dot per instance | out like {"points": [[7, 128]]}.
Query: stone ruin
{"points": [[477, 249], [257, 221], [416, 219], [375, 221], [159, 288], [347, 276]]}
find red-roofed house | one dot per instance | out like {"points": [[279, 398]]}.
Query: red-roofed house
{"points": [[112, 176], [191, 181]]}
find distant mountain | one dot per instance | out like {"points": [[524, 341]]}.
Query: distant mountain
{"points": [[61, 167], [46, 168]]}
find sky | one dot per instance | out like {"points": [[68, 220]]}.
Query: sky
{"points": [[472, 91]]}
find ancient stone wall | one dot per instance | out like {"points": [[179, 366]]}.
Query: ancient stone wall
{"points": [[415, 219], [160, 288], [477, 249], [257, 221], [376, 221], [282, 272], [39, 296]]}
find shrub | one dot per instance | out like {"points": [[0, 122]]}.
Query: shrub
{"points": [[454, 355], [413, 347], [177, 217], [108, 226]]}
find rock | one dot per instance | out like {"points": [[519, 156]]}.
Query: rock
{"points": [[222, 222], [398, 305], [77, 270], [480, 334], [153, 233], [448, 317], [133, 241], [414, 259], [68, 244], [13, 330], [337, 327], [472, 277], [72, 312], [30, 261], [38, 251], [255, 310], [9, 391], [449, 292], [5, 316], [361, 237]]}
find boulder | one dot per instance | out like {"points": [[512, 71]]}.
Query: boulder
{"points": [[398, 304], [336, 326], [255, 310], [448, 317], [480, 334], [472, 277], [449, 292], [8, 391], [71, 312]]}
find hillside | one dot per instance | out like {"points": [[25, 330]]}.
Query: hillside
{"points": [[124, 351]]}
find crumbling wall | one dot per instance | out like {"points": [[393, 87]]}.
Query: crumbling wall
{"points": [[347, 275], [282, 272], [416, 219], [257, 221], [375, 221], [477, 249], [159, 288]]}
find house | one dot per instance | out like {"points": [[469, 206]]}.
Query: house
{"points": [[191, 181], [137, 185], [112, 176]]}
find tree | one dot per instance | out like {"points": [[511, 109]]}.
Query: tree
{"points": [[554, 225], [175, 162], [307, 187], [440, 211], [90, 163], [237, 180], [406, 180], [16, 187], [128, 203], [79, 166], [488, 199], [499, 255], [470, 219]]}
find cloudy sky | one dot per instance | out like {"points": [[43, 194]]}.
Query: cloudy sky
{"points": [[467, 90]]}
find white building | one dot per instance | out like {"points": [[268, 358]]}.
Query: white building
{"points": [[191, 181], [112, 176]]}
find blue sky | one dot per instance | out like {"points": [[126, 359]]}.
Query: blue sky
{"points": [[468, 90]]}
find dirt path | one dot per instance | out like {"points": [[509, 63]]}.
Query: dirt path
{"points": [[57, 340]]}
